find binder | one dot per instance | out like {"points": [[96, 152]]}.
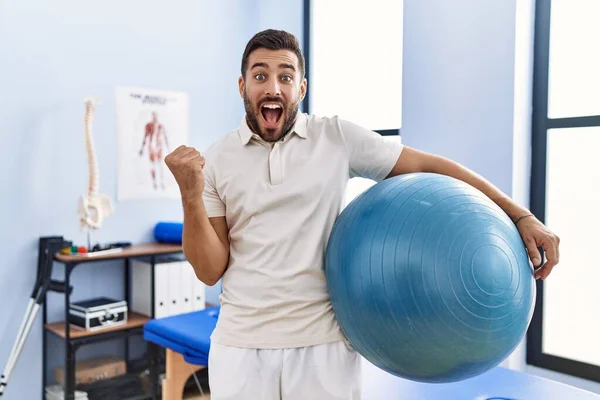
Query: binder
{"points": [[162, 285], [199, 289], [187, 282], [176, 289], [140, 281], [143, 295]]}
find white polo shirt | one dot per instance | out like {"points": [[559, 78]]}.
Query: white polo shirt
{"points": [[280, 201]]}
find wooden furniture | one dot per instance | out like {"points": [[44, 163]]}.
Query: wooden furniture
{"points": [[74, 337], [177, 374], [186, 339]]}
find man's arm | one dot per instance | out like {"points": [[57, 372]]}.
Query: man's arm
{"points": [[534, 233], [412, 160], [205, 242]]}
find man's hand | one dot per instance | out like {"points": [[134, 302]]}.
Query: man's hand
{"points": [[535, 235], [186, 165]]}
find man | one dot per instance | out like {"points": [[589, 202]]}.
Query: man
{"points": [[156, 136], [258, 211]]}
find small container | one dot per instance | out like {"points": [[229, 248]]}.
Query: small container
{"points": [[98, 313]]}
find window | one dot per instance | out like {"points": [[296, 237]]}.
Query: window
{"points": [[353, 53], [564, 188]]}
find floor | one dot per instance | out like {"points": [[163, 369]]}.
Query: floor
{"points": [[496, 383], [195, 395]]}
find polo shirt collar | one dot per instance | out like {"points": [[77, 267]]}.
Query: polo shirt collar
{"points": [[300, 128]]}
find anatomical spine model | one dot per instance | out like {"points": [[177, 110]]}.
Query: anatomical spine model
{"points": [[94, 206]]}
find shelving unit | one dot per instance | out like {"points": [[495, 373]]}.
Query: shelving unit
{"points": [[134, 320], [75, 337]]}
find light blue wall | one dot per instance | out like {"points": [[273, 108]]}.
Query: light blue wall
{"points": [[52, 55], [286, 15], [458, 77]]}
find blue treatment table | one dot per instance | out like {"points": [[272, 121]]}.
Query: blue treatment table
{"points": [[497, 384], [187, 340], [187, 334]]}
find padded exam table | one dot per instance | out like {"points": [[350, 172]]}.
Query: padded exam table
{"points": [[186, 338]]}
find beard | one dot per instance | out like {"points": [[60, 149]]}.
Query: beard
{"points": [[289, 112]]}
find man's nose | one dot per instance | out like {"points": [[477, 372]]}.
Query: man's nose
{"points": [[272, 88]]}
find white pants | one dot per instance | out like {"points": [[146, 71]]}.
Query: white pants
{"points": [[324, 372]]}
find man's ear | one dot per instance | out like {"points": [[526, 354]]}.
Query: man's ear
{"points": [[241, 85], [303, 89]]}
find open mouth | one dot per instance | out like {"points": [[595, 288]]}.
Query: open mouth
{"points": [[271, 113]]}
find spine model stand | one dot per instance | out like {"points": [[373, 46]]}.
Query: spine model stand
{"points": [[94, 206]]}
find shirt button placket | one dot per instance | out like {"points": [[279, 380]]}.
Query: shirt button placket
{"points": [[275, 164]]}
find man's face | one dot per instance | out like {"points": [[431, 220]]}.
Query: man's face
{"points": [[272, 89]]}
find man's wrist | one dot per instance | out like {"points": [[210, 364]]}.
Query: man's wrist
{"points": [[523, 217], [513, 210], [192, 201]]}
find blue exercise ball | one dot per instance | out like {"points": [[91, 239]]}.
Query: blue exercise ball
{"points": [[429, 279]]}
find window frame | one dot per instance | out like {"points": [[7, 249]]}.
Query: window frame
{"points": [[307, 10], [541, 123]]}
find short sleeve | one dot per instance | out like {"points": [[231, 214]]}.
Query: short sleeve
{"points": [[370, 154], [212, 201]]}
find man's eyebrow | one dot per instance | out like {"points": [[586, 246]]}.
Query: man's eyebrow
{"points": [[288, 66], [259, 64], [265, 65]]}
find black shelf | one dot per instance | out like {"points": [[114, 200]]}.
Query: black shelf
{"points": [[74, 338], [126, 387]]}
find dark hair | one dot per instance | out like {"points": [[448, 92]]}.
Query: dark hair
{"points": [[272, 39]]}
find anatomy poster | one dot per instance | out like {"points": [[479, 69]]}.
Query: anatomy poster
{"points": [[150, 124]]}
